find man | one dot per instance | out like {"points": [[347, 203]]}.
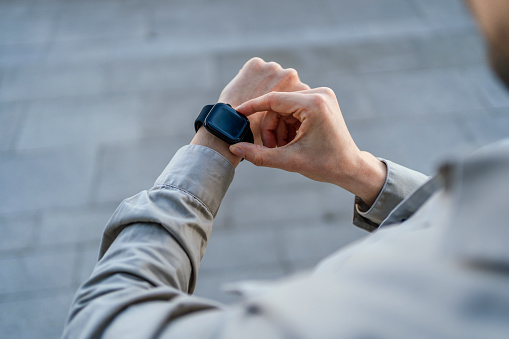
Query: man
{"points": [[436, 267]]}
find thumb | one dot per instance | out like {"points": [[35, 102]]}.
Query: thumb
{"points": [[258, 155]]}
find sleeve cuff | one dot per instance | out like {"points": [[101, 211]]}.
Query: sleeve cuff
{"points": [[196, 171], [399, 184], [201, 172]]}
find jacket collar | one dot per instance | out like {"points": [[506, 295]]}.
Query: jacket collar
{"points": [[476, 223]]}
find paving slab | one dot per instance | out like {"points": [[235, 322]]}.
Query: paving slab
{"points": [[21, 26], [14, 6], [160, 74], [16, 54], [46, 80], [485, 131], [12, 116], [440, 48], [338, 205], [248, 177], [229, 251], [71, 226], [31, 181], [213, 284], [282, 16], [422, 92], [37, 271], [86, 259], [173, 113], [492, 89], [371, 10], [18, 232], [102, 50], [194, 20], [223, 219], [315, 241], [86, 20], [427, 142], [351, 92], [277, 203], [81, 121], [445, 13], [63, 79], [124, 169], [385, 54], [281, 202], [37, 318]]}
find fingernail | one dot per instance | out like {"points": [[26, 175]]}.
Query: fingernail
{"points": [[237, 151]]}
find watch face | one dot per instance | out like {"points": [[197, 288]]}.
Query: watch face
{"points": [[227, 121]]}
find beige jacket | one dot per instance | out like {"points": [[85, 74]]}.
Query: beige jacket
{"points": [[438, 267]]}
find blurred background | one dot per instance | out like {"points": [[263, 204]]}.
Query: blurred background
{"points": [[96, 97]]}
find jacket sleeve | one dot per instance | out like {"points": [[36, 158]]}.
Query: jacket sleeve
{"points": [[151, 251], [399, 184]]}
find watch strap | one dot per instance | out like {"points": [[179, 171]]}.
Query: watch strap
{"points": [[201, 117], [248, 137]]}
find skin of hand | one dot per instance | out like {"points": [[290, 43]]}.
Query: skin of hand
{"points": [[305, 132], [256, 78]]}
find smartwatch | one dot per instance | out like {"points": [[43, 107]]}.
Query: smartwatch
{"points": [[225, 123]]}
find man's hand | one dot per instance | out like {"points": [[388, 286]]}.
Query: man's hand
{"points": [[255, 79], [312, 139]]}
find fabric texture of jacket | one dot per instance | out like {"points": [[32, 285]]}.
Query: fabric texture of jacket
{"points": [[435, 266]]}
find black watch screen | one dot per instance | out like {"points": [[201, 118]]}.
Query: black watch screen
{"points": [[227, 121]]}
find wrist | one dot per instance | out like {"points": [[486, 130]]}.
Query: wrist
{"points": [[207, 139], [229, 100], [365, 177]]}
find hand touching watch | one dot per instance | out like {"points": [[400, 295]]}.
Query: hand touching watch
{"points": [[256, 78]]}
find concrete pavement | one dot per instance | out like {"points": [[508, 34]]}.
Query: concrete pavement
{"points": [[96, 96]]}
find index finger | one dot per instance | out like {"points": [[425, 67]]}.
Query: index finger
{"points": [[283, 103]]}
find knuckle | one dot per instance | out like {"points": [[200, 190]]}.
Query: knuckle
{"points": [[273, 66], [304, 86], [318, 100], [255, 63], [271, 97], [328, 92], [291, 73]]}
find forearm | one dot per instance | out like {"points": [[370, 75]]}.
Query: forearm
{"points": [[365, 177], [138, 287], [153, 244]]}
